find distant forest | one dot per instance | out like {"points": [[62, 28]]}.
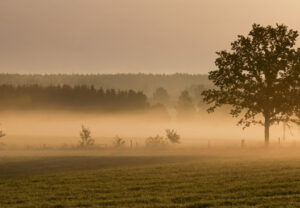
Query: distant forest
{"points": [[174, 84], [25, 97]]}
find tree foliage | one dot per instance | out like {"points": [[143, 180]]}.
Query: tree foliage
{"points": [[162, 142], [119, 142], [161, 96], [185, 106], [260, 75], [81, 97], [147, 83], [85, 137], [172, 136], [2, 134]]}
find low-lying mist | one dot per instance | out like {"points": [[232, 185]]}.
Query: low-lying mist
{"points": [[57, 128]]}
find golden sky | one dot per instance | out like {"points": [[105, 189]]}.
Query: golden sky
{"points": [[128, 36]]}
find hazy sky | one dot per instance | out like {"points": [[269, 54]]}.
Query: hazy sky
{"points": [[111, 36]]}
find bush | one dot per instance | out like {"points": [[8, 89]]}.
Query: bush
{"points": [[161, 142], [86, 139], [172, 136], [1, 134], [119, 142]]}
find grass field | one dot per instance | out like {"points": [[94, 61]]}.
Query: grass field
{"points": [[204, 180]]}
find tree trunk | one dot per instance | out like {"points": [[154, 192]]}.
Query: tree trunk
{"points": [[267, 130], [284, 125]]}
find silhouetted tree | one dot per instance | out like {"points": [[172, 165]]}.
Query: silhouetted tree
{"points": [[196, 92], [86, 139], [161, 96], [259, 76], [185, 106]]}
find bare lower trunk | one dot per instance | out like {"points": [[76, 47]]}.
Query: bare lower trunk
{"points": [[284, 125], [267, 130]]}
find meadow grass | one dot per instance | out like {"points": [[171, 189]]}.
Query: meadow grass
{"points": [[152, 182]]}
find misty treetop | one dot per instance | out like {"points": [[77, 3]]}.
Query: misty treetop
{"points": [[70, 98], [161, 96], [185, 106]]}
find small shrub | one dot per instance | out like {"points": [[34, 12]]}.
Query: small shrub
{"points": [[86, 139], [2, 134], [172, 136], [119, 142]]}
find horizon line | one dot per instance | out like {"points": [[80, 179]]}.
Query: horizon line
{"points": [[117, 73]]}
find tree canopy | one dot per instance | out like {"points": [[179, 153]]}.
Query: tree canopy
{"points": [[81, 98], [161, 95], [185, 106], [260, 75]]}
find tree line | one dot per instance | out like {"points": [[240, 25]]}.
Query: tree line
{"points": [[81, 97], [147, 83], [88, 98]]}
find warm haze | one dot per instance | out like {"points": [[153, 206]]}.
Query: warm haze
{"points": [[150, 36], [149, 103]]}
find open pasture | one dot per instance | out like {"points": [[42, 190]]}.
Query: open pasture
{"points": [[210, 179]]}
